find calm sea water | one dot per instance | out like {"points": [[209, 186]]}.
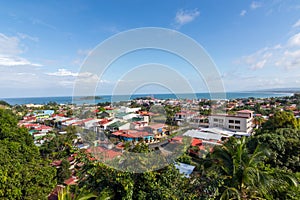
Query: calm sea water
{"points": [[109, 98]]}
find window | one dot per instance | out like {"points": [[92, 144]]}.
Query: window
{"points": [[237, 121], [230, 126], [216, 120], [231, 121], [237, 127]]}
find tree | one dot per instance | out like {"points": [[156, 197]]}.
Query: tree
{"points": [[258, 120], [23, 174], [281, 119], [244, 175], [63, 173], [4, 103], [284, 145]]}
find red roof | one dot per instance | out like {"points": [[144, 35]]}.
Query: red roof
{"points": [[245, 111], [131, 133], [196, 142], [58, 115], [177, 139], [101, 153], [156, 126], [56, 163], [43, 127], [30, 125], [54, 194], [104, 121], [71, 181]]}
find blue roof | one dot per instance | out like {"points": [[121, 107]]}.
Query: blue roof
{"points": [[185, 169]]}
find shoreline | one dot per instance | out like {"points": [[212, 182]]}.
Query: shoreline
{"points": [[118, 98]]}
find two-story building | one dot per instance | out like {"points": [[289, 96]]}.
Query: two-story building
{"points": [[241, 122]]}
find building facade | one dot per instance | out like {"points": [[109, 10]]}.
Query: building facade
{"points": [[241, 122]]}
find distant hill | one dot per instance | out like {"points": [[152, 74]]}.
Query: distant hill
{"points": [[280, 90]]}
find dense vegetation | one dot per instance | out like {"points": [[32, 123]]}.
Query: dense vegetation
{"points": [[23, 174]]}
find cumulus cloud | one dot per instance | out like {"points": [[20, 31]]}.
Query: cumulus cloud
{"points": [[186, 16], [62, 72], [9, 45], [286, 56], [294, 40], [254, 5], [11, 49], [7, 60], [289, 60], [297, 24], [257, 60], [243, 13], [25, 36]]}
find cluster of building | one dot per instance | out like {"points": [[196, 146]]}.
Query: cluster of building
{"points": [[114, 126]]}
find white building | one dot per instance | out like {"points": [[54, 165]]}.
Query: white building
{"points": [[241, 122]]}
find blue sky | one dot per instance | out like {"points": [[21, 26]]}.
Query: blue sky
{"points": [[254, 44]]}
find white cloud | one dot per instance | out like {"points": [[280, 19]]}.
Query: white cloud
{"points": [[186, 16], [9, 45], [286, 56], [297, 24], [63, 72], [254, 5], [6, 60], [243, 13], [10, 50], [25, 36], [294, 40], [257, 60], [289, 60]]}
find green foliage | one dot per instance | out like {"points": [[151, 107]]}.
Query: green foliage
{"points": [[4, 103], [170, 114], [107, 182], [281, 119], [66, 194], [245, 175], [284, 145], [185, 159], [63, 172], [60, 146], [23, 174]]}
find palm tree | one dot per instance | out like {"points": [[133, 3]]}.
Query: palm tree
{"points": [[258, 120], [65, 194], [244, 173]]}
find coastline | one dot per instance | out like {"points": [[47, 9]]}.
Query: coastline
{"points": [[118, 98]]}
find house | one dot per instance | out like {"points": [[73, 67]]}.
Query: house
{"points": [[102, 115], [129, 110], [158, 129], [103, 154], [185, 169], [118, 125], [241, 122], [134, 135], [184, 116], [71, 181]]}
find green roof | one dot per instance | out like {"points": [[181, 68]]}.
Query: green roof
{"points": [[117, 124]]}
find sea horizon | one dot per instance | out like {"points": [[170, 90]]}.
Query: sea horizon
{"points": [[118, 98]]}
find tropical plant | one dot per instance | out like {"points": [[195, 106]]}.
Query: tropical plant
{"points": [[23, 174], [244, 174], [66, 194]]}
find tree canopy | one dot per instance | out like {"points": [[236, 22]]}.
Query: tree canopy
{"points": [[23, 174]]}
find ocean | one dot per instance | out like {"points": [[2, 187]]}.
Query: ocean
{"points": [[116, 98]]}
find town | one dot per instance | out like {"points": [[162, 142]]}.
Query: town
{"points": [[110, 129]]}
